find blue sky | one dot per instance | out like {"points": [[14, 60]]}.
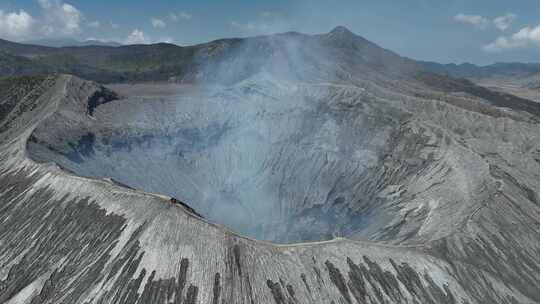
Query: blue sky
{"points": [[478, 31]]}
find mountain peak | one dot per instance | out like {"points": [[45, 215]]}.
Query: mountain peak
{"points": [[341, 30], [342, 34]]}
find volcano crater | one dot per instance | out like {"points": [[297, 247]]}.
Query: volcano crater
{"points": [[288, 164]]}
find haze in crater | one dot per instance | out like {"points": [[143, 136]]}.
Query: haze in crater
{"points": [[274, 162]]}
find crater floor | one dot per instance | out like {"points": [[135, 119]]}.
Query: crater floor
{"points": [[277, 163]]}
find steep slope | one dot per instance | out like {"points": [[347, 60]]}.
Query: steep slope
{"points": [[316, 138], [11, 65]]}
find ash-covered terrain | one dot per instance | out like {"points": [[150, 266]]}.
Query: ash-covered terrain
{"points": [[283, 169]]}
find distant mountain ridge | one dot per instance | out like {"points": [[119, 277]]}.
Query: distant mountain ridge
{"points": [[111, 62], [162, 61], [67, 42], [472, 71]]}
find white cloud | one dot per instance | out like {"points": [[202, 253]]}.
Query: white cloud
{"points": [[55, 19], [527, 36], [475, 20], [501, 43], [60, 18], [136, 37], [531, 34], [501, 23], [94, 24], [504, 22], [180, 16], [16, 25], [72, 18], [158, 23]]}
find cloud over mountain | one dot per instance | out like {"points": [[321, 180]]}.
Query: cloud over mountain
{"points": [[16, 24], [136, 37], [158, 23], [501, 23], [475, 20], [55, 18], [526, 37]]}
